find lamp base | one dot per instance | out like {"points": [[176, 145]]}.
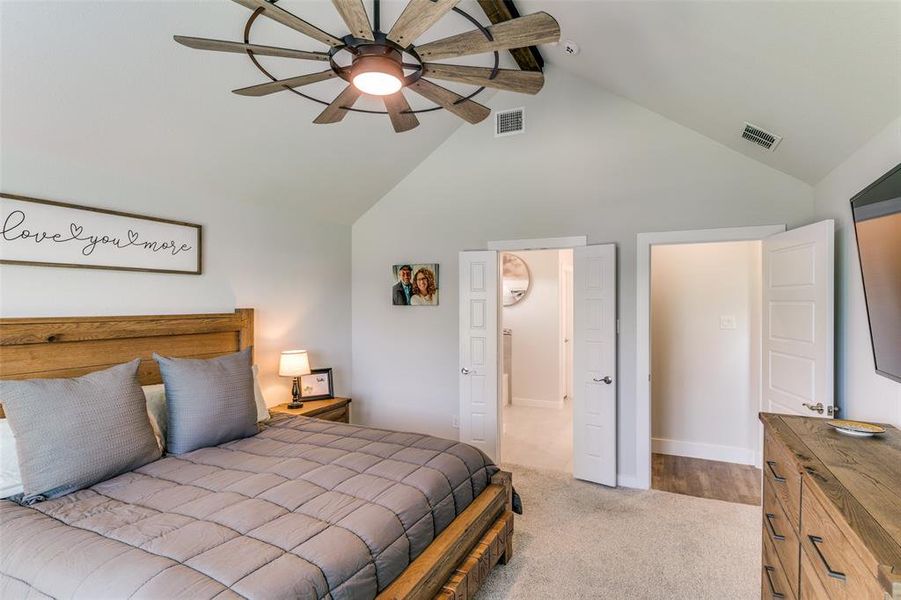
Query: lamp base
{"points": [[295, 395]]}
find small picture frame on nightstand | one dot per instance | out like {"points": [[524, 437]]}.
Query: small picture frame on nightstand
{"points": [[318, 385]]}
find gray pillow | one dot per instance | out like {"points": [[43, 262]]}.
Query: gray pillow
{"points": [[209, 402], [73, 433]]}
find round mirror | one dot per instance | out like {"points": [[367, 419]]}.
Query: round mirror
{"points": [[516, 279]]}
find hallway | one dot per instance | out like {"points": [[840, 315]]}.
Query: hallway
{"points": [[540, 438]]}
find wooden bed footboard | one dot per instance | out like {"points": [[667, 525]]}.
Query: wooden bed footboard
{"points": [[459, 560]]}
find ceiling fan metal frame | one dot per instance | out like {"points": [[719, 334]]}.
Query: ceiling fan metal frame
{"points": [[352, 45]]}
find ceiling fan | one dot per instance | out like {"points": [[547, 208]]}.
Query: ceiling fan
{"points": [[380, 62]]}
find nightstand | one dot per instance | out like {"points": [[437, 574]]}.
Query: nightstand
{"points": [[331, 409]]}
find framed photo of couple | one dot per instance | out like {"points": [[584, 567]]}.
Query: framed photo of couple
{"points": [[414, 284]]}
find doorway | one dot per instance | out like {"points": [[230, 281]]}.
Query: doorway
{"points": [[594, 356], [536, 319], [705, 368], [796, 324]]}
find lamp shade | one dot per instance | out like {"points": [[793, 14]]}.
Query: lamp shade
{"points": [[294, 363]]}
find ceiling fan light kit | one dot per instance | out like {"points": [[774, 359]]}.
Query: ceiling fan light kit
{"points": [[379, 65], [377, 70]]}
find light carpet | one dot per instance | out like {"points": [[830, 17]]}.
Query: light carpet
{"points": [[580, 540]]}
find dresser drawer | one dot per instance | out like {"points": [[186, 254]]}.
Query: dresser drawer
{"points": [[811, 587], [781, 470], [783, 537], [832, 558], [339, 414], [773, 579]]}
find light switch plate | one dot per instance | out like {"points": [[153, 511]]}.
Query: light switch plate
{"points": [[727, 322]]}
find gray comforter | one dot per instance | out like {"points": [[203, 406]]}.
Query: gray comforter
{"points": [[304, 509]]}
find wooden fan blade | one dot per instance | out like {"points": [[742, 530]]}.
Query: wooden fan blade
{"points": [[241, 48], [399, 111], [524, 82], [468, 110], [417, 17], [337, 110], [265, 89], [354, 14], [538, 28], [294, 22]]}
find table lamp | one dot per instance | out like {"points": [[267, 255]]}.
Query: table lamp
{"points": [[294, 363]]}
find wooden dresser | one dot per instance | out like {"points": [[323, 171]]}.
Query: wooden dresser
{"points": [[831, 512]]}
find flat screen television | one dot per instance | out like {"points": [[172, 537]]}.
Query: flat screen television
{"points": [[877, 224]]}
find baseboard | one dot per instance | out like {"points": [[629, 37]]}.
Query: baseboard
{"points": [[731, 454], [536, 403]]}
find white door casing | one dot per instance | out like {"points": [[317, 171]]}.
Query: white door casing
{"points": [[568, 332], [594, 364], [564, 356], [798, 325], [479, 390]]}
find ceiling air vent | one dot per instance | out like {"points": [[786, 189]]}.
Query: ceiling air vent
{"points": [[509, 122], [761, 137]]}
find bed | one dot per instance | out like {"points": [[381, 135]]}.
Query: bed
{"points": [[304, 509]]}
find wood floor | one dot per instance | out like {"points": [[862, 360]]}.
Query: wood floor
{"points": [[706, 479]]}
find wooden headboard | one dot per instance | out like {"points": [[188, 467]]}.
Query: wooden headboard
{"points": [[73, 346]]}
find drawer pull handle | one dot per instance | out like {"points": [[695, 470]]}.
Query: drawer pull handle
{"points": [[776, 476], [769, 521], [769, 579], [814, 540]]}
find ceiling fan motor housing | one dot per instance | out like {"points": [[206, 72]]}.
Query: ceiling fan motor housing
{"points": [[377, 58]]}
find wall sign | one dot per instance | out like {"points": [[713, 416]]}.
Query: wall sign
{"points": [[55, 234]]}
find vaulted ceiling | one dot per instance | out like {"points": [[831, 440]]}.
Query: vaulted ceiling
{"points": [[103, 82], [824, 75]]}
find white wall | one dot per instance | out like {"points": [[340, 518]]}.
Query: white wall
{"points": [[103, 119], [535, 321], [704, 377], [860, 392], [293, 271], [590, 163]]}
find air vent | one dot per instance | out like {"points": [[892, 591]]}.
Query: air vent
{"points": [[761, 137], [509, 122]]}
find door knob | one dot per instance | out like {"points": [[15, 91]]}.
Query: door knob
{"points": [[465, 371], [606, 379], [817, 408]]}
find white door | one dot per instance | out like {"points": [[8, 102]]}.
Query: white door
{"points": [[594, 364], [479, 392], [798, 300]]}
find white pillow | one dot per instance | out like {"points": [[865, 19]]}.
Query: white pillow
{"points": [[10, 478], [159, 418], [262, 411], [156, 410]]}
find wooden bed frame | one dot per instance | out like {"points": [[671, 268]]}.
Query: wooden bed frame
{"points": [[454, 565]]}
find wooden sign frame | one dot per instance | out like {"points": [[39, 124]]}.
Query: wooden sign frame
{"points": [[11, 231]]}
